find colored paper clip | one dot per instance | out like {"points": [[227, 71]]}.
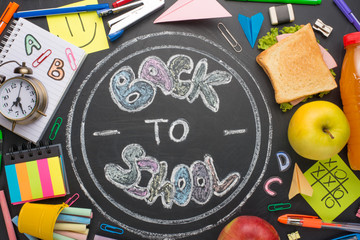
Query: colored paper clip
{"points": [[232, 41], [41, 58], [71, 58], [73, 199], [55, 128], [354, 236], [119, 24], [111, 229], [278, 206]]}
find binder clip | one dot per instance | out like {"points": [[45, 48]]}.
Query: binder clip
{"points": [[322, 27], [294, 236], [120, 23], [278, 206]]}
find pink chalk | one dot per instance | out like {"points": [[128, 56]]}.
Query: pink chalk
{"points": [[7, 217]]}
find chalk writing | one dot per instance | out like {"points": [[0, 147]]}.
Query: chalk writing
{"points": [[30, 43], [197, 182], [134, 94]]}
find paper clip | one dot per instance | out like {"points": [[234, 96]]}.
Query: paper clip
{"points": [[56, 127], [71, 58], [41, 58], [235, 45], [354, 236], [72, 199], [278, 206], [111, 229]]}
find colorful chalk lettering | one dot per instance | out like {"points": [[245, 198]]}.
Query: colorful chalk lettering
{"points": [[199, 182]]}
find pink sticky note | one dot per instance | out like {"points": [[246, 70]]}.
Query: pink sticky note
{"points": [[184, 10]]}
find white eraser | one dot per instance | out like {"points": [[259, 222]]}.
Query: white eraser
{"points": [[281, 14]]}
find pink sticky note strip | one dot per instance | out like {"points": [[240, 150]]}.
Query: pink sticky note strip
{"points": [[45, 178], [7, 217]]}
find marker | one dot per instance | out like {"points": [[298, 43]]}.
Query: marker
{"points": [[55, 11], [107, 12], [347, 12], [310, 2], [119, 3], [7, 15], [315, 222]]}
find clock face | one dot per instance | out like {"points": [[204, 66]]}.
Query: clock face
{"points": [[18, 98]]}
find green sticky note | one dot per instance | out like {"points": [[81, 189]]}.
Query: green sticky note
{"points": [[335, 186], [85, 29]]}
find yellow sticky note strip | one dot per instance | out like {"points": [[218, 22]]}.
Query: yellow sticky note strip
{"points": [[335, 186], [85, 30], [299, 184], [56, 176], [34, 179]]}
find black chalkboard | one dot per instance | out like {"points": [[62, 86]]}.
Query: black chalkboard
{"points": [[203, 144]]}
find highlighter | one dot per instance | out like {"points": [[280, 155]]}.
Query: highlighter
{"points": [[7, 15]]}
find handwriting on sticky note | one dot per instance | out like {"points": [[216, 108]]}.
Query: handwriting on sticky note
{"points": [[85, 29], [335, 187]]}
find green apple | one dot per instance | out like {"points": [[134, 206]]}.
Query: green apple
{"points": [[318, 130]]}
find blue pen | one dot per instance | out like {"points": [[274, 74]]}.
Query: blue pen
{"points": [[354, 236], [55, 11]]}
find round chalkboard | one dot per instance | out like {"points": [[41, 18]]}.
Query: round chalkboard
{"points": [[169, 135]]}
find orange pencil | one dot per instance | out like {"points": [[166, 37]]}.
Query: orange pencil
{"points": [[7, 15]]}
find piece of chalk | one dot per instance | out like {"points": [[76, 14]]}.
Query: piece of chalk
{"points": [[70, 227], [281, 14], [98, 237], [74, 235], [86, 212], [73, 219], [7, 217], [57, 236]]}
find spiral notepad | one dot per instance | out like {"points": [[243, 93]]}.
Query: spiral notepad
{"points": [[36, 174], [54, 61]]}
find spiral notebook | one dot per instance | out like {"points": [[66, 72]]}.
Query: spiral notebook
{"points": [[36, 174], [54, 61]]}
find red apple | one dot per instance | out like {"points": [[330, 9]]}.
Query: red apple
{"points": [[249, 228]]}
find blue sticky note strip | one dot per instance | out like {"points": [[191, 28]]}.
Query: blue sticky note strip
{"points": [[73, 219], [251, 26], [15, 220], [13, 184]]}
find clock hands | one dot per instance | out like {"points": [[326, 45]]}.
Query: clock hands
{"points": [[18, 99]]}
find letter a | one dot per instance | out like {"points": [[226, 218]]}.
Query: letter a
{"points": [[56, 70], [30, 43]]}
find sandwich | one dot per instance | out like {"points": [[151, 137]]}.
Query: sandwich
{"points": [[296, 67]]}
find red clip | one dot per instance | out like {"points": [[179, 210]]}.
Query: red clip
{"points": [[71, 58], [41, 58]]}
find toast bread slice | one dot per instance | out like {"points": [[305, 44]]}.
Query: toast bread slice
{"points": [[295, 67]]}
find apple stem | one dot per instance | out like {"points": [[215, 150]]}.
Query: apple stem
{"points": [[328, 132]]}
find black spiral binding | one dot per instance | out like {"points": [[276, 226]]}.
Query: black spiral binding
{"points": [[9, 38], [30, 150]]}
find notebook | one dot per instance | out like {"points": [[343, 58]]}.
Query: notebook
{"points": [[54, 61], [36, 174]]}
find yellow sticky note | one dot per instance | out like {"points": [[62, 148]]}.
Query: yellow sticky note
{"points": [[85, 30], [56, 176], [299, 184], [335, 186]]}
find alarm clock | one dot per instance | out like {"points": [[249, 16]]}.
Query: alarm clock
{"points": [[23, 98]]}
